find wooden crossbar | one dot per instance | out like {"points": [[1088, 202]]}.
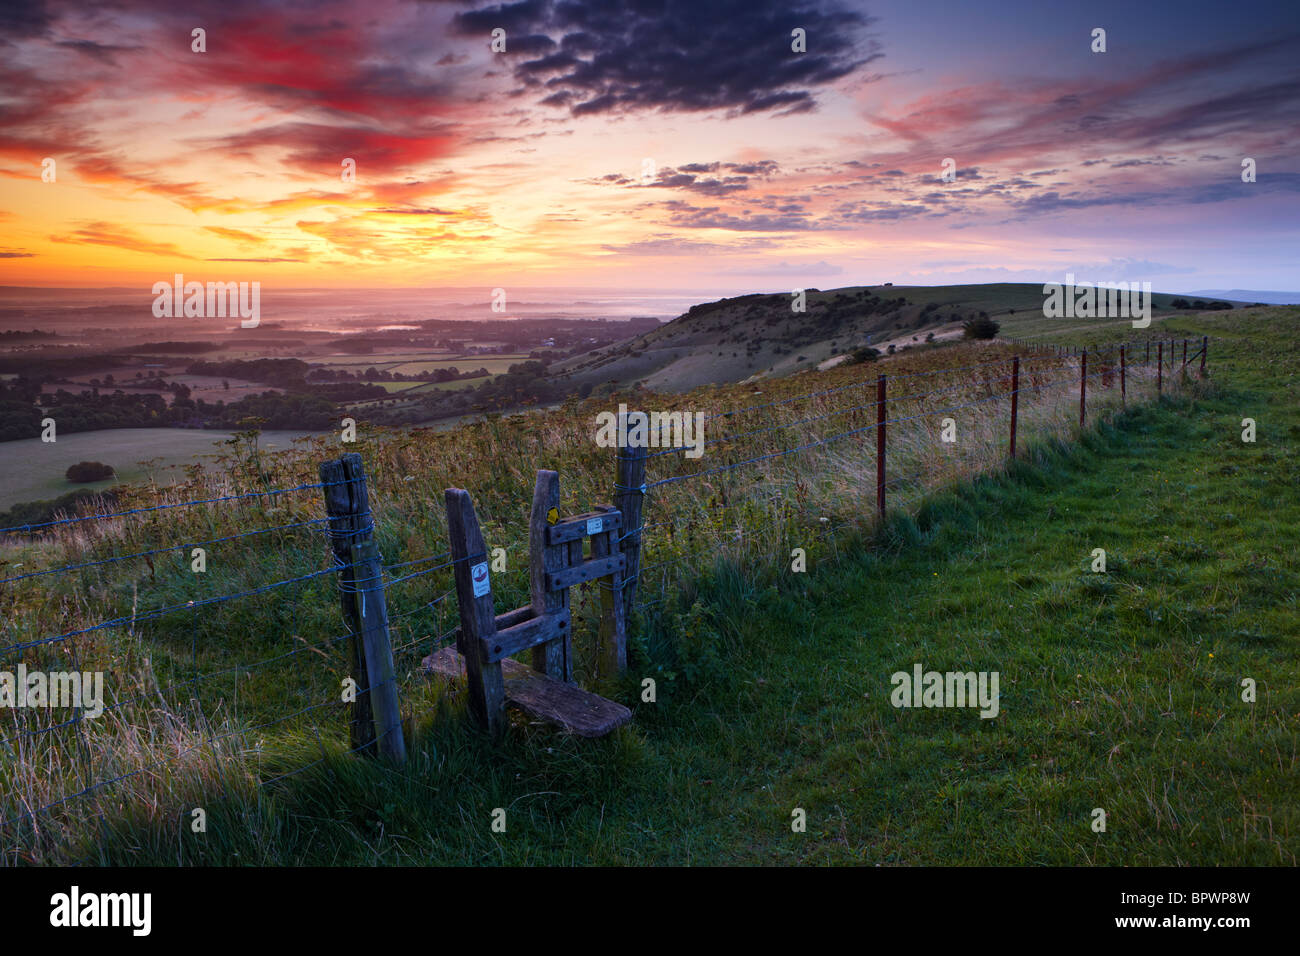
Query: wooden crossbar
{"points": [[588, 570], [582, 526], [525, 634]]}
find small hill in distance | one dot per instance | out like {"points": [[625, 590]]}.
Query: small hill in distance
{"points": [[1251, 296], [759, 335]]}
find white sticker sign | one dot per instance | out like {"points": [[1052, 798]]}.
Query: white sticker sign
{"points": [[479, 575], [594, 525]]}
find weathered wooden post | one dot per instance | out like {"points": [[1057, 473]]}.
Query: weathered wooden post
{"points": [[1123, 378], [880, 447], [611, 658], [348, 506], [1015, 399], [630, 488], [1184, 353], [1160, 367], [554, 658], [1083, 385], [477, 614], [1205, 350], [368, 571]]}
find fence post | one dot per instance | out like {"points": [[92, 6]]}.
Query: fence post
{"points": [[1123, 378], [554, 658], [611, 658], [1205, 349], [629, 500], [1015, 399], [487, 693], [1184, 353], [880, 446], [1160, 367], [1083, 384], [368, 571], [348, 506]]}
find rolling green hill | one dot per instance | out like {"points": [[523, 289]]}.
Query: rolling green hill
{"points": [[760, 335]]}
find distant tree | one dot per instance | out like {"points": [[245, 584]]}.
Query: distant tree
{"points": [[980, 328], [84, 471]]}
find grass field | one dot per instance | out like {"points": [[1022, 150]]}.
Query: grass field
{"points": [[1119, 690], [32, 470]]}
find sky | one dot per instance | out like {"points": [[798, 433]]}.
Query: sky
{"points": [[649, 143]]}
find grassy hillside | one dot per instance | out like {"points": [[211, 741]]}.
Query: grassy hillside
{"points": [[1119, 690], [757, 336]]}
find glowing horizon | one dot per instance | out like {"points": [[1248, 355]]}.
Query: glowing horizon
{"points": [[771, 168]]}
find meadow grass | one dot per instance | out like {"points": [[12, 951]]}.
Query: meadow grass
{"points": [[1119, 690]]}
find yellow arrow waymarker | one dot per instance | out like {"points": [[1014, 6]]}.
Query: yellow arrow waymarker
{"points": [[552, 516]]}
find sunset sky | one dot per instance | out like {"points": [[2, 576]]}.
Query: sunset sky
{"points": [[772, 169]]}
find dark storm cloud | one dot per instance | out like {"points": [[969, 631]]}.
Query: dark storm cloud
{"points": [[611, 56], [26, 18]]}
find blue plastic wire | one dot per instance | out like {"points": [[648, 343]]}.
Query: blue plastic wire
{"points": [[179, 504]]}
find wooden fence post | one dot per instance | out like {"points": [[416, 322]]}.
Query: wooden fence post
{"points": [[611, 657], [368, 571], [1205, 350], [1184, 353], [1083, 385], [630, 498], [1160, 367], [880, 446], [554, 658], [1123, 378], [348, 506], [1015, 399], [487, 693]]}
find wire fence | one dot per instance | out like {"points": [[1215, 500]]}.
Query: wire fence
{"points": [[195, 640]]}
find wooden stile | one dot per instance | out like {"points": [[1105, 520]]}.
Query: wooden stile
{"points": [[486, 641]]}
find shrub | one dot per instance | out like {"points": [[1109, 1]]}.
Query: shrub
{"points": [[980, 328], [84, 471]]}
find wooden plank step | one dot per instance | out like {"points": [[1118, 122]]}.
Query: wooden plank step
{"points": [[568, 706]]}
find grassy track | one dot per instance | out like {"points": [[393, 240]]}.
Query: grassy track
{"points": [[1120, 691]]}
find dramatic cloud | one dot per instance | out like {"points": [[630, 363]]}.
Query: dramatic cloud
{"points": [[677, 55]]}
